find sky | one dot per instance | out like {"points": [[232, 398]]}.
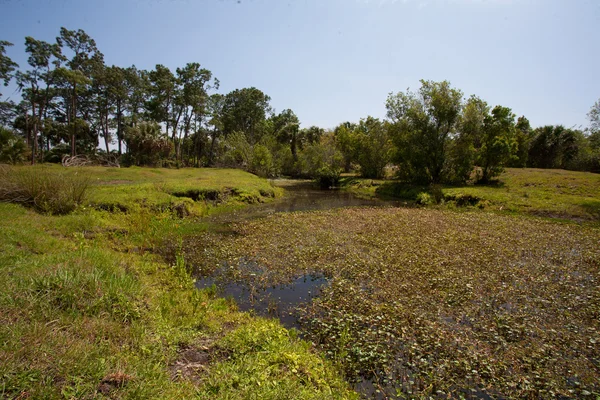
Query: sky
{"points": [[332, 61]]}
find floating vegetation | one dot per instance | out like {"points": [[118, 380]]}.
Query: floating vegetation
{"points": [[435, 303]]}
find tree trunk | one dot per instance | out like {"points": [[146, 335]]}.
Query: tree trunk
{"points": [[72, 122], [212, 147], [119, 126]]}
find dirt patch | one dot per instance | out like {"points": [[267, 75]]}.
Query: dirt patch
{"points": [[193, 361], [113, 381]]}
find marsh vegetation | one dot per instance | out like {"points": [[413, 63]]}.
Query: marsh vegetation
{"points": [[430, 302]]}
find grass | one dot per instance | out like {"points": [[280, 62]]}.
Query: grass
{"points": [[123, 188], [557, 194], [435, 302], [45, 189], [90, 309]]}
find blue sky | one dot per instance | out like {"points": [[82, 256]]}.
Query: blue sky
{"points": [[337, 60]]}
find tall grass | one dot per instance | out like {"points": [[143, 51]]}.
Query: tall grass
{"points": [[50, 191]]}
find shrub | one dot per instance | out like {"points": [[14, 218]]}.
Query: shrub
{"points": [[327, 177], [262, 161], [46, 190], [424, 199], [12, 148]]}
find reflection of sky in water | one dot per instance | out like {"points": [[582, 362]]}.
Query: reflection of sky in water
{"points": [[276, 301]]}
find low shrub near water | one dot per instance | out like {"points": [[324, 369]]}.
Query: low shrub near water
{"points": [[46, 191]]}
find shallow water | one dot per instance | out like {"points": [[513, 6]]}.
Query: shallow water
{"points": [[304, 196], [278, 301]]}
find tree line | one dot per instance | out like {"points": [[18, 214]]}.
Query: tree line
{"points": [[72, 103]]}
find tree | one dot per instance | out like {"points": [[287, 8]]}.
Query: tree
{"points": [[463, 149], [162, 91], [594, 117], [323, 160], [147, 145], [554, 147], [422, 126], [286, 128], [246, 110], [192, 99], [497, 143], [216, 107], [75, 79], [36, 84], [373, 147], [310, 135], [119, 92], [12, 147], [344, 139], [523, 136], [7, 66]]}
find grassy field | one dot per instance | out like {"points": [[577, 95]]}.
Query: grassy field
{"points": [[90, 309], [559, 194], [435, 302]]}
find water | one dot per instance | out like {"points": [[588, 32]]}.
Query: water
{"points": [[278, 301], [303, 196]]}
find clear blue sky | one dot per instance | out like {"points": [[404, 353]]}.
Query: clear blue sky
{"points": [[336, 60]]}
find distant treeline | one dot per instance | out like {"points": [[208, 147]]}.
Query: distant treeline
{"points": [[74, 104]]}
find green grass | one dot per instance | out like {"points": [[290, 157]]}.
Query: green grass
{"points": [[556, 194], [435, 303], [90, 309]]}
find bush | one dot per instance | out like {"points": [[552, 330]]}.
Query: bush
{"points": [[327, 177], [12, 148], [46, 190], [262, 161], [424, 199]]}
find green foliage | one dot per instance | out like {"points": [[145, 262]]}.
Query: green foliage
{"points": [[146, 144], [44, 189], [12, 148], [422, 125], [262, 161], [245, 110], [271, 363], [424, 199], [594, 117], [7, 66], [322, 161], [554, 147], [497, 143], [373, 147], [345, 142], [462, 149], [523, 136], [237, 151]]}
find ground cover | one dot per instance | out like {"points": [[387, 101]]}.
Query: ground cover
{"points": [[433, 302]]}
